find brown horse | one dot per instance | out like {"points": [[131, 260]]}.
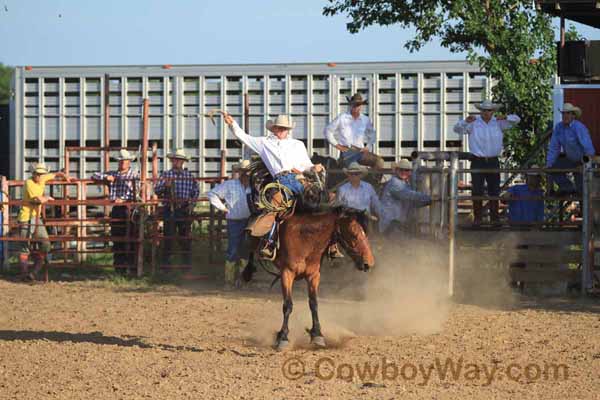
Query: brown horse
{"points": [[304, 238]]}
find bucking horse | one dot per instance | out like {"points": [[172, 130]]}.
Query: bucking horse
{"points": [[303, 241]]}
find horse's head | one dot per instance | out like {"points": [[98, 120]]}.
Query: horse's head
{"points": [[351, 232]]}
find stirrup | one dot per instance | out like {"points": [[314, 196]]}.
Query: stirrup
{"points": [[266, 253], [335, 252]]}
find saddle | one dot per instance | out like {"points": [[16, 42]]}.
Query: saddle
{"points": [[270, 202]]}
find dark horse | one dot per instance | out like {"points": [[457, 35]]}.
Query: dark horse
{"points": [[304, 238]]}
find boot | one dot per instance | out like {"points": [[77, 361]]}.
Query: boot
{"points": [[477, 211], [240, 266], [269, 250], [229, 274], [24, 265], [334, 252]]}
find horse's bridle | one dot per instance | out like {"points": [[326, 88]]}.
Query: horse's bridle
{"points": [[338, 237]]}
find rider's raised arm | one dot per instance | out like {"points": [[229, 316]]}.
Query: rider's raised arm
{"points": [[255, 143]]}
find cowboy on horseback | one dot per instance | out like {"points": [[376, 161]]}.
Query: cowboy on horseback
{"points": [[286, 159]]}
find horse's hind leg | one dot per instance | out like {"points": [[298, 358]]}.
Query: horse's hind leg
{"points": [[316, 337], [287, 280]]}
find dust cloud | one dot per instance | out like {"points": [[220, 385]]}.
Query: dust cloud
{"points": [[405, 294]]}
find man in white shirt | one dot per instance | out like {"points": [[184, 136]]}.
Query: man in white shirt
{"points": [[485, 144], [357, 193], [285, 158], [352, 134], [231, 197]]}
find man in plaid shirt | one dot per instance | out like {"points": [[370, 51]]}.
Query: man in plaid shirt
{"points": [[123, 186], [179, 190]]}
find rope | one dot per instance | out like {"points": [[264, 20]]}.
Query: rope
{"points": [[287, 199]]}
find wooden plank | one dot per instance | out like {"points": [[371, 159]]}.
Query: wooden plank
{"points": [[513, 238], [511, 255], [544, 275]]}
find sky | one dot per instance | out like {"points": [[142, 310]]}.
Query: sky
{"points": [[134, 32]]}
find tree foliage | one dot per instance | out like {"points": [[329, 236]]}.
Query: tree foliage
{"points": [[510, 40], [5, 76]]}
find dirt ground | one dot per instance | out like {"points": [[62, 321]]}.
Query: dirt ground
{"points": [[388, 337]]}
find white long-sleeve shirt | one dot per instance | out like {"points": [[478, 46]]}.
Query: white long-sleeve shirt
{"points": [[361, 198], [231, 197], [347, 131], [279, 155], [485, 139]]}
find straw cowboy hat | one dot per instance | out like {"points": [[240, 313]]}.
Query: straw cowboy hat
{"points": [[282, 121], [356, 100], [178, 154], [402, 164], [39, 168], [242, 165], [487, 105], [355, 167], [568, 107], [125, 155]]}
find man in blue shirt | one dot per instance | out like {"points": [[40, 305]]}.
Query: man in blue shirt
{"points": [[525, 202], [570, 142]]}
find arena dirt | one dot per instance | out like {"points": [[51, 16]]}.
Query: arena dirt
{"points": [[92, 340]]}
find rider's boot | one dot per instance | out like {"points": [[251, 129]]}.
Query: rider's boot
{"points": [[334, 252]]}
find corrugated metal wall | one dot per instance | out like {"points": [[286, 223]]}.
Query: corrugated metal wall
{"points": [[413, 104]]}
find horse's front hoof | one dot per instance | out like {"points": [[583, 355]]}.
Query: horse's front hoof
{"points": [[281, 345], [318, 341]]}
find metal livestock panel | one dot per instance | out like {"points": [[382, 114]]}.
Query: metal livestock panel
{"points": [[413, 106]]}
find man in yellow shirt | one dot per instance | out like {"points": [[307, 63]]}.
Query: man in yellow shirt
{"points": [[31, 225]]}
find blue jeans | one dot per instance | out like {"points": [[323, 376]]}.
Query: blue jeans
{"points": [[560, 178], [177, 224], [350, 156], [290, 182], [235, 238]]}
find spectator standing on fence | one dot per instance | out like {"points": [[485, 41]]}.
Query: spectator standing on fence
{"points": [[179, 191], [569, 143], [31, 225], [231, 197], [485, 144], [352, 133], [526, 201], [399, 200], [123, 186]]}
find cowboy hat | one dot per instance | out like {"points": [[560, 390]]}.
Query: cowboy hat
{"points": [[355, 167], [178, 154], [243, 165], [39, 168], [487, 105], [402, 164], [568, 107], [125, 155], [356, 100], [282, 121]]}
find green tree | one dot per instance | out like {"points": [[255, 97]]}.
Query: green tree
{"points": [[510, 40], [5, 76]]}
